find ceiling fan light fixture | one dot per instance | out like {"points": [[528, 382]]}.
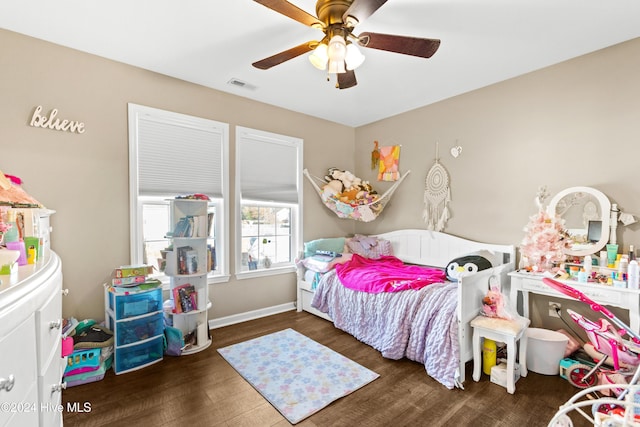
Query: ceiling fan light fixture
{"points": [[354, 58], [336, 67], [337, 51], [320, 57]]}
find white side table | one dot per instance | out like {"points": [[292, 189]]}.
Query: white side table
{"points": [[508, 332]]}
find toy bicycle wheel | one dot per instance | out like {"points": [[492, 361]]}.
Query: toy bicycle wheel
{"points": [[577, 376]]}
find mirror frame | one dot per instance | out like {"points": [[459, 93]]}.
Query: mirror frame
{"points": [[605, 212]]}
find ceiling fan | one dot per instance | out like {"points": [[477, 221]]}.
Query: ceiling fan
{"points": [[337, 51]]}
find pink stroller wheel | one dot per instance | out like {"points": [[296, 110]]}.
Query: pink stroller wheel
{"points": [[577, 375]]}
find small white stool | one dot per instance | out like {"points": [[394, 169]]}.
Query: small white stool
{"points": [[508, 332]]}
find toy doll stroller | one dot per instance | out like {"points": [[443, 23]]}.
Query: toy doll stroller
{"points": [[608, 346]]}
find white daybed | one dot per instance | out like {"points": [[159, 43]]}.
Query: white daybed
{"points": [[436, 249]]}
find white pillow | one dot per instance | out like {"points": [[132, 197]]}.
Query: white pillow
{"points": [[324, 263]]}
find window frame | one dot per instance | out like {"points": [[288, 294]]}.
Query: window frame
{"points": [[137, 200], [242, 134]]}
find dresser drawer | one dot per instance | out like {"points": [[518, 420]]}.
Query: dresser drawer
{"points": [[48, 330], [605, 295], [51, 392], [18, 361]]}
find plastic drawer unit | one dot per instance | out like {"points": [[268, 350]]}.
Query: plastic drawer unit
{"points": [[136, 320]]}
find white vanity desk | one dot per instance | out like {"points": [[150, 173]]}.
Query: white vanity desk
{"points": [[580, 208], [527, 283]]}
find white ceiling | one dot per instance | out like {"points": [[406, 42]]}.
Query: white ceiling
{"points": [[210, 42]]}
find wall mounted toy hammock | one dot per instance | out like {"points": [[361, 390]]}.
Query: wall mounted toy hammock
{"points": [[365, 212], [437, 196]]}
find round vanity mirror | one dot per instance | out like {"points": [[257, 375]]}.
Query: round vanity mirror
{"points": [[586, 214]]}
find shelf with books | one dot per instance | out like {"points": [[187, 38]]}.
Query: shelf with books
{"points": [[188, 263]]}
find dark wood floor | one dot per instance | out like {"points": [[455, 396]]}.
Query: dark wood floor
{"points": [[203, 390]]}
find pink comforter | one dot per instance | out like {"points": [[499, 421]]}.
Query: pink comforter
{"points": [[386, 274]]}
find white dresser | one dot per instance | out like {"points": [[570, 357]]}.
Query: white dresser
{"points": [[31, 365]]}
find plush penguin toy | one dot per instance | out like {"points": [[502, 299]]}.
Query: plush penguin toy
{"points": [[468, 264]]}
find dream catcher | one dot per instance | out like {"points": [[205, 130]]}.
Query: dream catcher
{"points": [[437, 196]]}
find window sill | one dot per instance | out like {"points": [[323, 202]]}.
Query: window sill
{"points": [[223, 278], [265, 272]]}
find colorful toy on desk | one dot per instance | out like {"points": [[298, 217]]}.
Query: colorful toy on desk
{"points": [[601, 278], [8, 261]]}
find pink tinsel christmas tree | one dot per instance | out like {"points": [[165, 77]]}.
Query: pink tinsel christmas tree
{"points": [[545, 239]]}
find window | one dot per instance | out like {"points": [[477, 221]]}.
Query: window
{"points": [[174, 154], [269, 200], [266, 235]]}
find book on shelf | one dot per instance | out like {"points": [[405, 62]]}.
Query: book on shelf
{"points": [[201, 226], [183, 227], [192, 226], [185, 298], [126, 281], [211, 258], [132, 270], [187, 260], [177, 307], [192, 261], [210, 217]]}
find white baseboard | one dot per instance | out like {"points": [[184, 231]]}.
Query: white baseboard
{"points": [[250, 315]]}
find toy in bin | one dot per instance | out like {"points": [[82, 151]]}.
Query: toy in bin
{"points": [[92, 354]]}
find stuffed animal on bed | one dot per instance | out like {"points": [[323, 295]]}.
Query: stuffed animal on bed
{"points": [[467, 265]]}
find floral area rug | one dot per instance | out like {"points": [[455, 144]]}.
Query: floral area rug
{"points": [[297, 375]]}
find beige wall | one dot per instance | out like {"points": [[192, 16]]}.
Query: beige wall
{"points": [[84, 178], [572, 124]]}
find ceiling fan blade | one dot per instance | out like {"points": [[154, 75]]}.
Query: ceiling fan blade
{"points": [[279, 58], [293, 12], [415, 46], [362, 9], [347, 79]]}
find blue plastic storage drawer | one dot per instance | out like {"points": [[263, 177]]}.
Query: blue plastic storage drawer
{"points": [[130, 331], [136, 304], [137, 355]]}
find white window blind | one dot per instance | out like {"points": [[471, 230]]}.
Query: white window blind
{"points": [[177, 154], [269, 166]]}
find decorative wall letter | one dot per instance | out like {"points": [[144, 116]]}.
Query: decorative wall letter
{"points": [[54, 123]]}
